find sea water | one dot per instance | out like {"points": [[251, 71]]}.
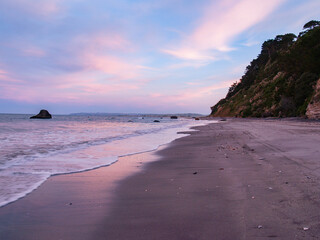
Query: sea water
{"points": [[31, 150]]}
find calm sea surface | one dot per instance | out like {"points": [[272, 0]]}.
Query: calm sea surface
{"points": [[31, 150]]}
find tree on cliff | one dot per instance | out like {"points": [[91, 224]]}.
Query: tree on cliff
{"points": [[311, 24], [232, 88]]}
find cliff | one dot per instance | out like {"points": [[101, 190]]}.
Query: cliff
{"points": [[283, 81]]}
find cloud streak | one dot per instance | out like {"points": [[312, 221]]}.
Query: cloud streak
{"points": [[222, 21], [192, 94]]}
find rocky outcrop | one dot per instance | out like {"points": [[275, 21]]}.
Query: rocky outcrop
{"points": [[313, 109], [43, 114]]}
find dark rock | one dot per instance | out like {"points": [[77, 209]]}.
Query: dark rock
{"points": [[43, 114], [174, 117], [156, 121], [195, 173], [196, 118]]}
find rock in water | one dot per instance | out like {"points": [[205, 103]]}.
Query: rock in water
{"points": [[43, 114], [174, 117]]}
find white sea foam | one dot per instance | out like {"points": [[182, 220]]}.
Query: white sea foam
{"points": [[33, 150]]}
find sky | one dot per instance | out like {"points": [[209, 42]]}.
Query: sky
{"points": [[134, 56]]}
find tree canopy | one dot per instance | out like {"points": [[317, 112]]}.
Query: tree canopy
{"points": [[311, 24]]}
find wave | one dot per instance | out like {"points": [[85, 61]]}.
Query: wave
{"points": [[26, 166]]}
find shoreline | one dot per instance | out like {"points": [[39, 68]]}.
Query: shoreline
{"points": [[100, 152], [62, 199], [82, 171], [236, 179], [233, 180]]}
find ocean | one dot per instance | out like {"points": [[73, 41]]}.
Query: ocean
{"points": [[32, 150]]}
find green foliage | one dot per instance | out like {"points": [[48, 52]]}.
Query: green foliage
{"points": [[232, 89], [280, 81], [247, 112], [303, 91], [287, 106], [312, 24], [215, 107]]}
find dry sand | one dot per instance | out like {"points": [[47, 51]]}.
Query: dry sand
{"points": [[239, 179]]}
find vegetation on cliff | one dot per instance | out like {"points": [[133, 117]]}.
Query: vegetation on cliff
{"points": [[281, 81]]}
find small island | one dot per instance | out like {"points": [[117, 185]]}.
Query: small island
{"points": [[43, 114]]}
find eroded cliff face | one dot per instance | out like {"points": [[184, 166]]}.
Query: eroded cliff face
{"points": [[313, 109]]}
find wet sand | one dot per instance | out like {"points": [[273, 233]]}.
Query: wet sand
{"points": [[70, 206], [238, 179]]}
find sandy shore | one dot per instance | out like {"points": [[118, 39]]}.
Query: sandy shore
{"points": [[239, 179], [70, 206]]}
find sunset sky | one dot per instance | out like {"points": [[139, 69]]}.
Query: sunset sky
{"points": [[134, 56]]}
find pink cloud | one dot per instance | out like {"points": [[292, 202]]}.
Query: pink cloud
{"points": [[205, 91], [95, 88], [5, 77], [193, 93], [109, 53], [3, 72], [103, 76], [189, 54], [222, 21], [24, 47], [111, 65], [33, 51], [42, 8], [87, 84], [189, 63], [200, 98], [191, 97], [82, 87], [111, 41]]}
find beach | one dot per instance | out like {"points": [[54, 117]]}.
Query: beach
{"points": [[235, 179]]}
